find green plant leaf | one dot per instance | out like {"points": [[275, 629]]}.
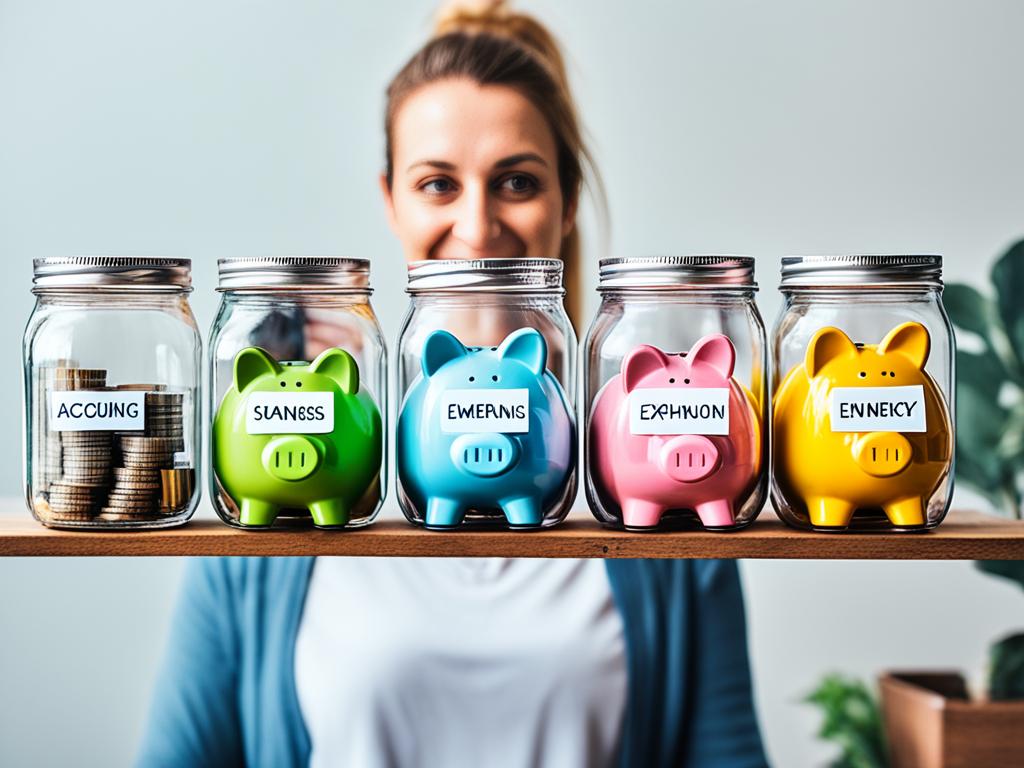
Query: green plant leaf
{"points": [[1006, 668], [969, 309], [979, 476], [1011, 443], [1006, 569], [852, 720], [982, 371], [1008, 279], [988, 435]]}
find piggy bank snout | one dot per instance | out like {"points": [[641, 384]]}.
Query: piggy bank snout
{"points": [[689, 458], [484, 454], [882, 454], [292, 457]]}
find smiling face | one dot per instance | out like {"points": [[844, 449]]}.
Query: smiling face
{"points": [[475, 175]]}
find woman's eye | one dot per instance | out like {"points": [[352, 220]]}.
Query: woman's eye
{"points": [[437, 186], [519, 183]]}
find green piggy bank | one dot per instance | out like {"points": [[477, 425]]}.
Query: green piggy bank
{"points": [[297, 435]]}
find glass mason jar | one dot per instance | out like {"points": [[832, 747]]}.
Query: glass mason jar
{"points": [[487, 383], [112, 359], [298, 393], [862, 394], [675, 394]]}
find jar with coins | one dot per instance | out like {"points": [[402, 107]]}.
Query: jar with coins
{"points": [[298, 394], [112, 360]]}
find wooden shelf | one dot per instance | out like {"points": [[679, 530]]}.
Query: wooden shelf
{"points": [[963, 536]]}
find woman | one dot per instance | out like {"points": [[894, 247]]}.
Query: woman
{"points": [[371, 662]]}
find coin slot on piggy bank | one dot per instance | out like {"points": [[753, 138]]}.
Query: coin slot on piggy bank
{"points": [[862, 428], [485, 428], [296, 435]]}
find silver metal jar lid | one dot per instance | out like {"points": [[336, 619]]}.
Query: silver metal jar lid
{"points": [[689, 272], [499, 275], [861, 270], [142, 273], [294, 273]]}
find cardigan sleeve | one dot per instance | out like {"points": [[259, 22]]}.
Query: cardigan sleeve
{"points": [[723, 730], [194, 713]]}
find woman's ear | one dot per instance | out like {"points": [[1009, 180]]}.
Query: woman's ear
{"points": [[389, 201]]}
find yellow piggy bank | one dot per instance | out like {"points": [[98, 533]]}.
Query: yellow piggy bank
{"points": [[862, 426]]}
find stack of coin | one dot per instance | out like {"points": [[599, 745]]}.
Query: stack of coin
{"points": [[73, 502], [136, 491], [75, 465], [134, 494], [108, 476], [164, 417], [69, 378], [86, 456]]}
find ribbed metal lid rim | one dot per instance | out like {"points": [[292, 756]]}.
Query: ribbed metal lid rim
{"points": [[502, 275], [143, 273], [697, 271], [848, 270], [293, 273]]}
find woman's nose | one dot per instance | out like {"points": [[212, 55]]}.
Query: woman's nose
{"points": [[475, 221]]}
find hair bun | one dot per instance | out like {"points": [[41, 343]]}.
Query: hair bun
{"points": [[494, 17], [470, 16]]}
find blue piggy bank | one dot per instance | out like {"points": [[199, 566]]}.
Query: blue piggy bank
{"points": [[486, 429]]}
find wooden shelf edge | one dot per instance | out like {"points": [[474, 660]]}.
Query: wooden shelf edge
{"points": [[963, 536]]}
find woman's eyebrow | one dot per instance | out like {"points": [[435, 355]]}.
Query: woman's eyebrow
{"points": [[522, 157], [439, 164]]}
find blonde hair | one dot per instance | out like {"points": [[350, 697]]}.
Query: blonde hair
{"points": [[493, 45]]}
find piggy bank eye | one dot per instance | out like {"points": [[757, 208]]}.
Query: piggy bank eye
{"points": [[671, 381], [494, 349], [893, 374], [284, 384], [298, 383], [494, 378], [472, 378], [686, 381], [862, 375]]}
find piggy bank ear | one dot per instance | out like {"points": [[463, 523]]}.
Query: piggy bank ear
{"points": [[250, 364], [909, 339], [441, 347], [642, 361], [715, 350], [340, 366], [528, 347], [827, 344]]}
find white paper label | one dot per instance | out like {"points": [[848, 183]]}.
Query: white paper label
{"points": [[304, 413], [679, 411], [485, 410], [85, 411], [878, 409]]}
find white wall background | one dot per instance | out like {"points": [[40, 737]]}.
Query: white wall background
{"points": [[207, 129]]}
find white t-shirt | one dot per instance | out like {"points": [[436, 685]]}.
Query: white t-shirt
{"points": [[412, 662]]}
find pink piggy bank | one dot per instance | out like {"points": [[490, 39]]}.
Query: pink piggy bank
{"points": [[676, 432]]}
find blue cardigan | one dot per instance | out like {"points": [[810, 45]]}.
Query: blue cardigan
{"points": [[226, 693]]}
